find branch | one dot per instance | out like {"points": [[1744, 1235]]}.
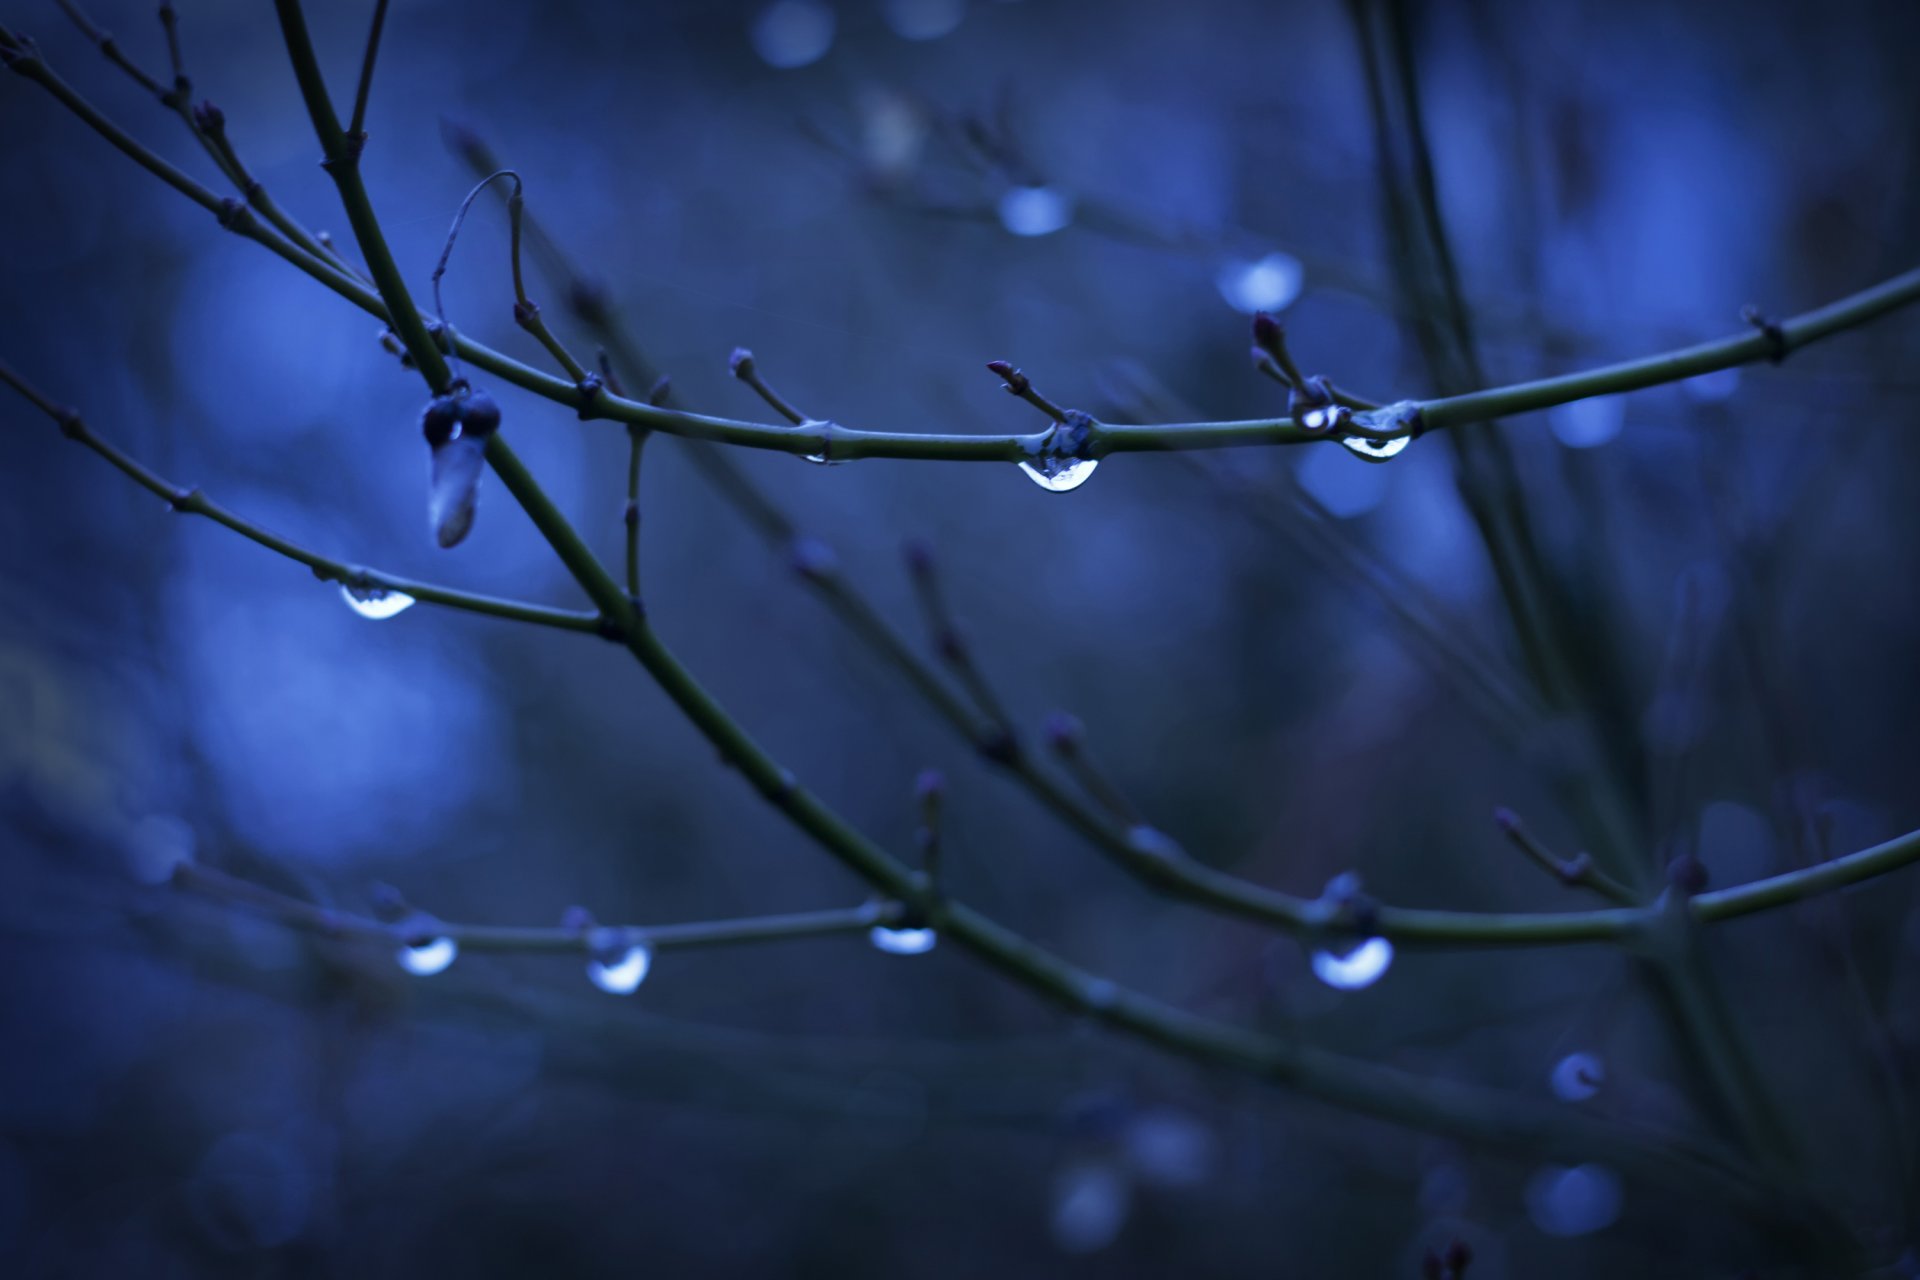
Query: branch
{"points": [[589, 939], [188, 501], [850, 443]]}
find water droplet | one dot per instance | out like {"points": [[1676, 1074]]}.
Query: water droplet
{"points": [[1711, 388], [1263, 284], [1057, 464], [924, 19], [1090, 1203], [1578, 1076], [825, 457], [375, 602], [903, 942], [1573, 1201], [1360, 967], [1034, 211], [792, 33], [621, 974], [428, 958], [1376, 450], [1587, 424], [1057, 475]]}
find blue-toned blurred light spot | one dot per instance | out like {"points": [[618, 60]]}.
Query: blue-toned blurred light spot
{"points": [[792, 33], [1034, 211], [1361, 967], [924, 19], [1262, 284], [1585, 424], [1573, 1202], [1090, 1203], [1343, 484]]}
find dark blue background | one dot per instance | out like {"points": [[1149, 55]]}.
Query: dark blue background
{"points": [[187, 1091]]}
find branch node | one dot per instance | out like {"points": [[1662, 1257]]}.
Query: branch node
{"points": [[591, 388], [1777, 345]]}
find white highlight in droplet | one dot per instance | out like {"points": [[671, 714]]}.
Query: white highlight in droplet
{"points": [[1090, 1203], [1360, 967], [1589, 423], [1262, 284], [622, 976], [1578, 1076], [792, 33], [1058, 475], [375, 602], [923, 19], [1034, 211], [429, 957], [1371, 450], [1573, 1201], [903, 942]]}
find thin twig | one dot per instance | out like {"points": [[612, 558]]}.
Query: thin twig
{"points": [[357, 127]]}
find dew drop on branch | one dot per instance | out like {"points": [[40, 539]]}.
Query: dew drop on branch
{"points": [[428, 958], [1034, 211], [620, 972], [1574, 1201], [1057, 475], [902, 942], [1578, 1076], [1361, 967], [377, 603], [1376, 450]]}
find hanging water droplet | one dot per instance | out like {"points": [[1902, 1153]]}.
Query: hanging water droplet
{"points": [[1057, 475], [1034, 211], [1376, 450], [1058, 464], [1090, 1203], [1573, 1201], [825, 457], [1578, 1076], [375, 602], [792, 33], [1322, 419], [903, 942], [615, 970], [1360, 967], [1263, 284], [427, 958]]}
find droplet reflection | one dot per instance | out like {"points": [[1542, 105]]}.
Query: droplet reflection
{"points": [[375, 602], [1360, 967], [428, 958], [621, 975], [903, 942], [1058, 475]]}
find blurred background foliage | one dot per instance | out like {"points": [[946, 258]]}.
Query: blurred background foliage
{"points": [[878, 196]]}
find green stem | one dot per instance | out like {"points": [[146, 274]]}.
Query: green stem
{"points": [[852, 443], [193, 502]]}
